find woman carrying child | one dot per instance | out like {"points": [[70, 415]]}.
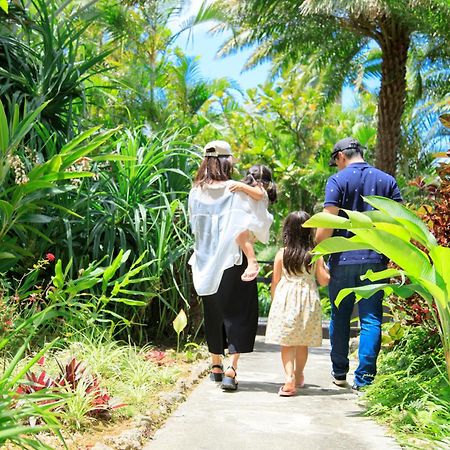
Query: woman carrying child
{"points": [[295, 317], [217, 217]]}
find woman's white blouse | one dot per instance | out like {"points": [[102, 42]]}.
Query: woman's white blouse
{"points": [[217, 216]]}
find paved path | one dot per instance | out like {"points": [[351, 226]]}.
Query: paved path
{"points": [[321, 416]]}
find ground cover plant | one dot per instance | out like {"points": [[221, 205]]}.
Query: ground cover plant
{"points": [[411, 390]]}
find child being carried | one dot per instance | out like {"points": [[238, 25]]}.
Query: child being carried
{"points": [[258, 185]]}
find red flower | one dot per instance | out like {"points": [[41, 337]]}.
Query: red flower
{"points": [[50, 257]]}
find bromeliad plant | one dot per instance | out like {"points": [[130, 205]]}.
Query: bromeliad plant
{"points": [[395, 231]]}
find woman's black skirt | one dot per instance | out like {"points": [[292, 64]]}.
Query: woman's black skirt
{"points": [[231, 314]]}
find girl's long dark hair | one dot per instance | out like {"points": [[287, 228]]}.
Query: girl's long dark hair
{"points": [[214, 168], [262, 175], [298, 242]]}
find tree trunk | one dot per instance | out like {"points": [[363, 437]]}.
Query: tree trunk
{"points": [[394, 42]]}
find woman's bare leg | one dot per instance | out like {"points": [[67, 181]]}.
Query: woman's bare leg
{"points": [[234, 363], [216, 360]]}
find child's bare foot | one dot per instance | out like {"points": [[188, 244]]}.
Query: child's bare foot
{"points": [[300, 378], [251, 272]]}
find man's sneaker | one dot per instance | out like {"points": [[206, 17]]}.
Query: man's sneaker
{"points": [[339, 380], [358, 388]]}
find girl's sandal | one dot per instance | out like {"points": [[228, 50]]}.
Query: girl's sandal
{"points": [[283, 392], [229, 383], [216, 376]]}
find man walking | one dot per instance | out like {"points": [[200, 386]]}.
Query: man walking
{"points": [[355, 179]]}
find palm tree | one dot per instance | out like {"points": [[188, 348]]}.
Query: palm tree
{"points": [[333, 35]]}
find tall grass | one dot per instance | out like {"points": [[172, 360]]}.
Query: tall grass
{"points": [[137, 204]]}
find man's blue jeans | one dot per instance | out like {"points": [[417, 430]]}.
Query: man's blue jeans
{"points": [[370, 316]]}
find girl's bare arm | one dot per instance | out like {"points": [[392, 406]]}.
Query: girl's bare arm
{"points": [[255, 192], [276, 274], [322, 273]]}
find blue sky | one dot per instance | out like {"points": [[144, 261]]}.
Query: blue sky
{"points": [[205, 45]]}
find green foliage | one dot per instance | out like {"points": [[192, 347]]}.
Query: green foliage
{"points": [[411, 391], [44, 58], [137, 204], [25, 194], [17, 409]]}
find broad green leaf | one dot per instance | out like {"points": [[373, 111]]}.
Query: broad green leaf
{"points": [[358, 219], [111, 270], [441, 259], [404, 254], [404, 216], [25, 126], [4, 5], [379, 216], [180, 322], [80, 286], [394, 229], [360, 292], [327, 220], [403, 291], [383, 275], [340, 244], [58, 279]]}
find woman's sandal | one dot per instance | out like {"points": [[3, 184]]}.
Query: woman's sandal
{"points": [[229, 383], [216, 376]]}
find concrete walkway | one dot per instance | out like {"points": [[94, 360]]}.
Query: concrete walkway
{"points": [[321, 416]]}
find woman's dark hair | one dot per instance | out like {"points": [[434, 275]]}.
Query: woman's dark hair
{"points": [[214, 168], [298, 242], [262, 175]]}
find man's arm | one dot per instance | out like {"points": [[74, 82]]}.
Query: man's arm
{"points": [[325, 233]]}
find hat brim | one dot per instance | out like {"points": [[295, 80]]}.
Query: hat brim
{"points": [[332, 161]]}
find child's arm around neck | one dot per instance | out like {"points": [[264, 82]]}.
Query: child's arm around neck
{"points": [[255, 192]]}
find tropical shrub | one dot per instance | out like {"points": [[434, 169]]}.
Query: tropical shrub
{"points": [[46, 56], [19, 413], [136, 204], [28, 186], [393, 230], [411, 390]]}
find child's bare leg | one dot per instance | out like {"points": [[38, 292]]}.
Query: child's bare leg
{"points": [[301, 356], [246, 245], [288, 360]]}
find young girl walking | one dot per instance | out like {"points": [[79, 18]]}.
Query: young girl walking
{"points": [[295, 317], [259, 186]]}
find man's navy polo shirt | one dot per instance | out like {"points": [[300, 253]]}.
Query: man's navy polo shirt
{"points": [[345, 190]]}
